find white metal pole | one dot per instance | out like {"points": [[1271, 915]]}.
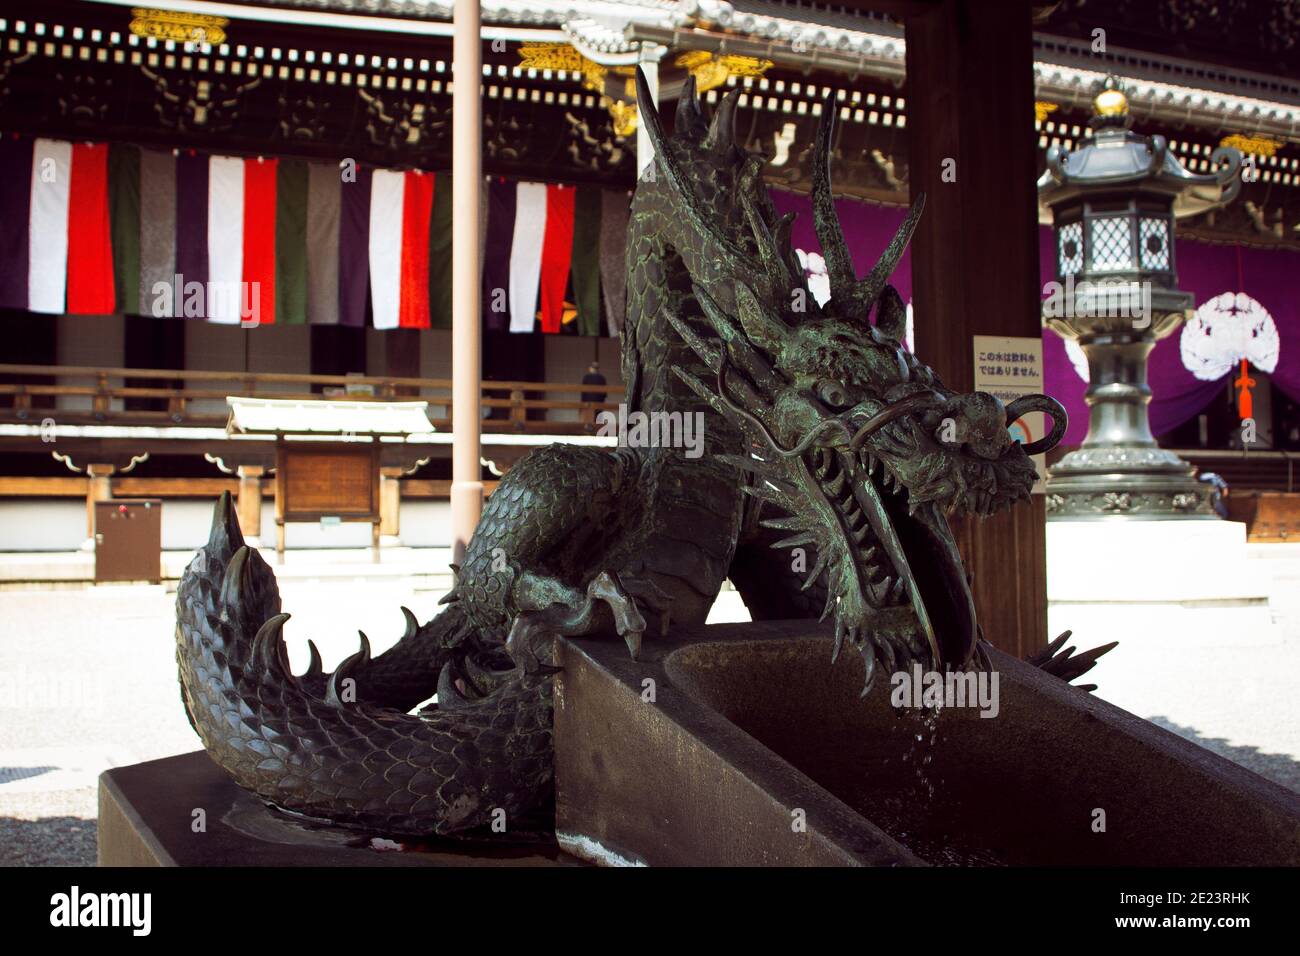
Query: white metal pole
{"points": [[648, 60]]}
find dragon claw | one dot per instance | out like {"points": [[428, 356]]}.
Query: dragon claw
{"points": [[628, 620], [579, 617]]}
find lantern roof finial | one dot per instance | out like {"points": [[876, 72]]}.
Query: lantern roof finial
{"points": [[1110, 106]]}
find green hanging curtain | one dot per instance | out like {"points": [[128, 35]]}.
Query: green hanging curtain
{"points": [[585, 267], [440, 254], [124, 217], [291, 243]]}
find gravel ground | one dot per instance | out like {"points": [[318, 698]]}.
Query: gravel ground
{"points": [[88, 682]]}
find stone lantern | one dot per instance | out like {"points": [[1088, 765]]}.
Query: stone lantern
{"points": [[1113, 204]]}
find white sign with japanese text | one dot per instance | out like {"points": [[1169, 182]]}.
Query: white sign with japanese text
{"points": [[1009, 367]]}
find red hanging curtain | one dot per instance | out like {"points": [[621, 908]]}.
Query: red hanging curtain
{"points": [[259, 240], [557, 251], [91, 289], [417, 206]]}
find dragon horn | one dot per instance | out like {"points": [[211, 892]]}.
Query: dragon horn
{"points": [[866, 291], [839, 264], [1040, 403]]}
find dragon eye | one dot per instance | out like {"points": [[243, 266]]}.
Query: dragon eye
{"points": [[833, 394]]}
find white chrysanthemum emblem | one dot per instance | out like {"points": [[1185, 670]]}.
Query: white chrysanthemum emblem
{"points": [[1228, 328]]}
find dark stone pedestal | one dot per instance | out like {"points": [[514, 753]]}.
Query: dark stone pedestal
{"points": [[147, 818]]}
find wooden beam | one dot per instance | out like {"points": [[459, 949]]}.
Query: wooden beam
{"points": [[972, 151], [61, 487]]}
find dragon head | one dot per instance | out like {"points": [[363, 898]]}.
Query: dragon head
{"points": [[858, 451]]}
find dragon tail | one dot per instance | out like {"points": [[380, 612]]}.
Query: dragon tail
{"points": [[339, 746]]}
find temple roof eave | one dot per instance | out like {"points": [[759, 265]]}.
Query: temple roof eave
{"points": [[612, 32]]}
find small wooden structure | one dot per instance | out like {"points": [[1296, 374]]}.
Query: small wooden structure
{"points": [[327, 460]]}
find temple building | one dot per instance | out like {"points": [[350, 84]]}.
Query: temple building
{"points": [[253, 200]]}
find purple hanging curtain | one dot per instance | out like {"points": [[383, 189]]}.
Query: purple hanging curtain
{"points": [[15, 209], [867, 231], [354, 247], [496, 255], [191, 228], [1204, 269]]}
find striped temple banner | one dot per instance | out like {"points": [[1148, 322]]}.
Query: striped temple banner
{"points": [[257, 240]]}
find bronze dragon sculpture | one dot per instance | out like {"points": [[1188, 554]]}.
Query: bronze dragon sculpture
{"points": [[823, 434]]}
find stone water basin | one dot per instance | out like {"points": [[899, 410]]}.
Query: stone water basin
{"points": [[756, 750]]}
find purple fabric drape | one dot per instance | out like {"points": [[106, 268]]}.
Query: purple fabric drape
{"points": [[354, 248], [191, 225], [15, 212], [1206, 270], [496, 258], [867, 230]]}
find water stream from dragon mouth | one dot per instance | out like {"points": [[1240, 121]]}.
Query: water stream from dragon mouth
{"points": [[923, 813]]}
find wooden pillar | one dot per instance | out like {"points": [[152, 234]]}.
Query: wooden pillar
{"points": [[390, 502], [466, 362], [99, 487], [250, 500], [971, 150]]}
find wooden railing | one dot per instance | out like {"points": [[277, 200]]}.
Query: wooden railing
{"points": [[29, 392], [75, 486], [1255, 470]]}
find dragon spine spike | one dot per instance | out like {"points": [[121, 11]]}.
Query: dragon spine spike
{"points": [[234, 583], [782, 235], [891, 314], [269, 649], [346, 670], [676, 179], [770, 256], [412, 625], [314, 666], [721, 137], [689, 118], [225, 534]]}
